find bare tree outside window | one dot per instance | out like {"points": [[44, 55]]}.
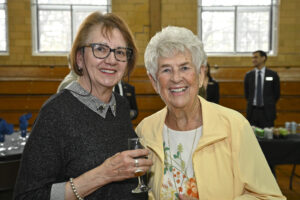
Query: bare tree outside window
{"points": [[237, 26], [56, 22]]}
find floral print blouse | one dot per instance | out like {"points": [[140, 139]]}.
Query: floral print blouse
{"points": [[178, 165]]}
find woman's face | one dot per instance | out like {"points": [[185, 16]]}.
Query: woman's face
{"points": [[107, 72], [177, 80]]}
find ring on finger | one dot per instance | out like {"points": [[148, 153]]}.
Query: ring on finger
{"points": [[136, 162]]}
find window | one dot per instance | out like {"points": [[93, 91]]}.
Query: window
{"points": [[56, 22], [237, 26], [3, 29]]}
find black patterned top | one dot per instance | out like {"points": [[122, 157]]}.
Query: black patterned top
{"points": [[68, 139]]}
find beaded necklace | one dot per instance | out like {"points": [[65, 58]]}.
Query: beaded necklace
{"points": [[190, 155]]}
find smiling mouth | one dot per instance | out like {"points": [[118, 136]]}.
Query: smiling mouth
{"points": [[175, 90], [108, 71]]}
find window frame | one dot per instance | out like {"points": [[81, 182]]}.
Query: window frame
{"points": [[35, 8], [273, 25], [3, 6]]}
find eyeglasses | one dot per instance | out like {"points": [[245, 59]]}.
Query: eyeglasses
{"points": [[102, 51]]}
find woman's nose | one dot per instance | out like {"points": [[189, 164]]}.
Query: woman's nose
{"points": [[176, 76], [111, 59]]}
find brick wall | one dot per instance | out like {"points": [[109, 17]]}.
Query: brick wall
{"points": [[138, 13], [179, 13]]}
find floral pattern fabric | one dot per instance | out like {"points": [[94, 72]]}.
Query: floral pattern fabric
{"points": [[177, 177]]}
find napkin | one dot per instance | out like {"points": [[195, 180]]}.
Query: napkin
{"points": [[23, 123], [6, 128]]}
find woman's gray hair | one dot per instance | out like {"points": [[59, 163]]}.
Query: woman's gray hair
{"points": [[172, 40]]}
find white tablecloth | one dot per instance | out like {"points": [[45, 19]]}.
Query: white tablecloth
{"points": [[13, 144]]}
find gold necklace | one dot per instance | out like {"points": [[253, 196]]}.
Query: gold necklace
{"points": [[185, 170]]}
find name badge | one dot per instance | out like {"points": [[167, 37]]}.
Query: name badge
{"points": [[269, 78]]}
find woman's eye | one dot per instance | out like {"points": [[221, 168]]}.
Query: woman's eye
{"points": [[165, 70], [101, 49], [121, 53], [184, 68]]}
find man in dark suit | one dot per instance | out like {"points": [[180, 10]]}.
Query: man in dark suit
{"points": [[128, 91], [262, 91]]}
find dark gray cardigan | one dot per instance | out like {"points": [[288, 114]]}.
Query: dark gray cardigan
{"points": [[68, 139]]}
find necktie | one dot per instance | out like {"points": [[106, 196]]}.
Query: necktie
{"points": [[258, 90]]}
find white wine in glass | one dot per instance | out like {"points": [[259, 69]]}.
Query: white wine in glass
{"points": [[135, 143]]}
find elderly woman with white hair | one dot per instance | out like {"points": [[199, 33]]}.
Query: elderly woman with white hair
{"points": [[200, 150]]}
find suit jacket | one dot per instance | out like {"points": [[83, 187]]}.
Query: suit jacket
{"points": [[271, 92], [129, 94], [212, 91]]}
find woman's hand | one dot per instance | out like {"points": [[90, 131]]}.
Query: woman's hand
{"points": [[184, 197], [123, 165], [119, 167]]}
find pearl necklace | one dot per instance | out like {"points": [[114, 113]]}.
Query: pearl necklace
{"points": [[190, 155]]}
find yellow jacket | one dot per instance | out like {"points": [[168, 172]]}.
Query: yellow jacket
{"points": [[228, 162]]}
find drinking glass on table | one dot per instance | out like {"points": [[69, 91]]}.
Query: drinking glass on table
{"points": [[2, 145], [135, 143]]}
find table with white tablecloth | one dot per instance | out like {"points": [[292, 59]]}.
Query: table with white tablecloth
{"points": [[10, 155]]}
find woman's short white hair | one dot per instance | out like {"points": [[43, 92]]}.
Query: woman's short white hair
{"points": [[172, 40]]}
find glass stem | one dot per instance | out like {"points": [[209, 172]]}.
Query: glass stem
{"points": [[141, 181]]}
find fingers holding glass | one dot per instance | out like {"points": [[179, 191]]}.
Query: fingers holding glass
{"points": [[127, 162], [136, 143], [136, 162]]}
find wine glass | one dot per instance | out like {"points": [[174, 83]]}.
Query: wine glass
{"points": [[2, 145], [135, 143]]}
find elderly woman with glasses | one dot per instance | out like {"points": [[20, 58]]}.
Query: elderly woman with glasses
{"points": [[78, 145], [200, 150]]}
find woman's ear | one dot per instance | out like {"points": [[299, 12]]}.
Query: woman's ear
{"points": [[79, 60], [153, 82], [201, 76]]}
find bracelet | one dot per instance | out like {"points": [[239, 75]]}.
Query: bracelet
{"points": [[74, 190]]}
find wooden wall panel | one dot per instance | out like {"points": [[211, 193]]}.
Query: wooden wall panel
{"points": [[12, 117], [22, 102], [25, 88], [228, 73], [149, 102], [285, 103], [40, 72], [143, 87], [287, 116]]}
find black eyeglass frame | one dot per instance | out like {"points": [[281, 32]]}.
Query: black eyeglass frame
{"points": [[129, 51]]}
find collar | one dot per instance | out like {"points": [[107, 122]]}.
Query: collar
{"points": [[213, 124], [91, 101], [262, 70], [210, 132]]}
